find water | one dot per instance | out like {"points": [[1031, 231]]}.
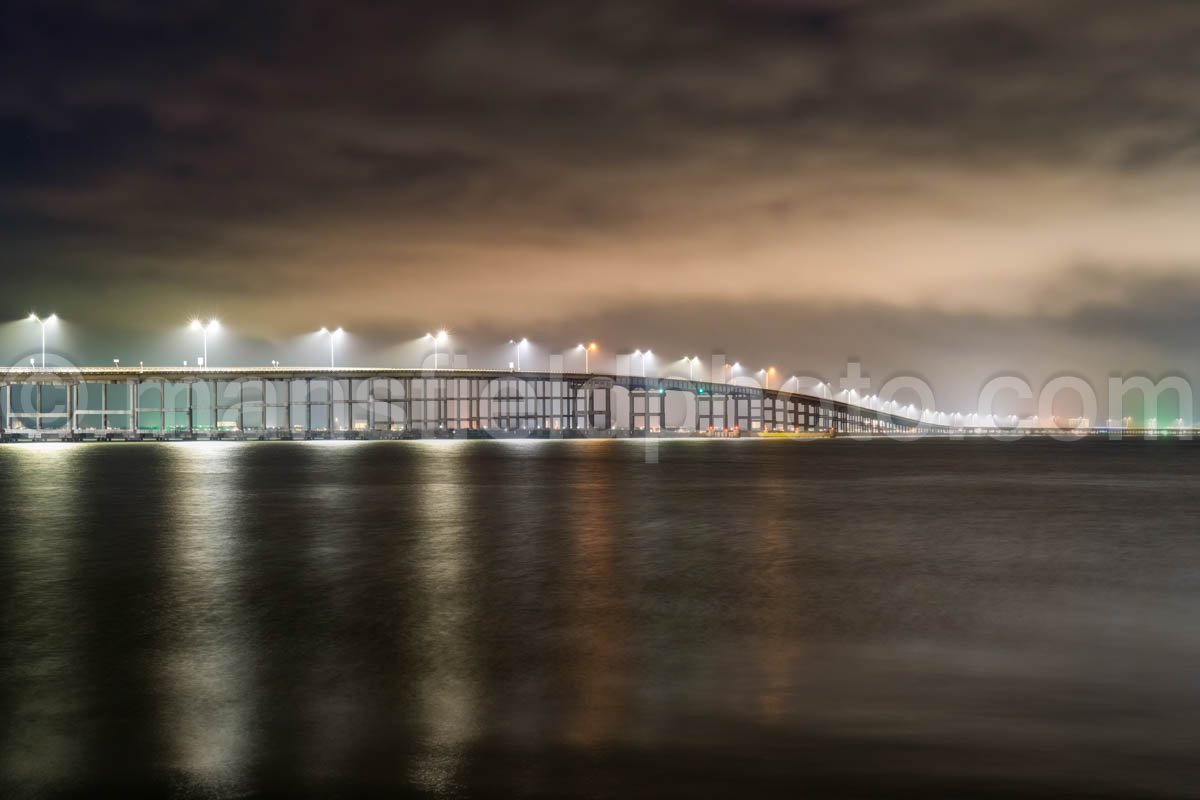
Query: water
{"points": [[562, 619]]}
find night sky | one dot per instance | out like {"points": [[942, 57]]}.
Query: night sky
{"points": [[954, 189]]}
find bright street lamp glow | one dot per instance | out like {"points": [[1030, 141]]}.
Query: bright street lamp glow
{"points": [[517, 345], [204, 328], [441, 336], [33, 317], [643, 357], [591, 348], [332, 336]]}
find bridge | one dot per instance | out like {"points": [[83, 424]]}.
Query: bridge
{"points": [[135, 403]]}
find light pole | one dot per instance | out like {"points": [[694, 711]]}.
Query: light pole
{"points": [[691, 362], [591, 348], [517, 346], [204, 328], [441, 337], [332, 335], [42, 322], [642, 355]]}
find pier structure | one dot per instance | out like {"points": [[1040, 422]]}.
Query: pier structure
{"points": [[325, 402]]}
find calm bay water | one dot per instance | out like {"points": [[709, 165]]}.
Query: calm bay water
{"points": [[562, 619]]}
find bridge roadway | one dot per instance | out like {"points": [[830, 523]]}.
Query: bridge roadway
{"points": [[377, 402]]}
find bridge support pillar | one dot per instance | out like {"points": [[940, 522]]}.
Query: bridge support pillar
{"points": [[72, 403], [652, 410], [214, 406], [307, 432], [370, 407]]}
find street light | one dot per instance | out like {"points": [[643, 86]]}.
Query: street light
{"points": [[332, 335], [204, 328], [517, 346], [691, 362], [590, 348], [766, 373], [52, 318], [643, 357], [441, 337], [42, 322]]}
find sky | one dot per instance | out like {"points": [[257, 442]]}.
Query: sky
{"points": [[953, 189]]}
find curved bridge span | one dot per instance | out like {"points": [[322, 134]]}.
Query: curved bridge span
{"points": [[376, 402]]}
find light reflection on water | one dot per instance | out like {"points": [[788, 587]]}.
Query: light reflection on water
{"points": [[447, 693], [596, 616], [206, 668], [564, 619], [39, 740]]}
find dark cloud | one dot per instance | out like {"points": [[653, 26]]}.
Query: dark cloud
{"points": [[1154, 306]]}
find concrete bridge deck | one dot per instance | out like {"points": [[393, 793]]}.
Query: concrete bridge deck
{"points": [[327, 402]]}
